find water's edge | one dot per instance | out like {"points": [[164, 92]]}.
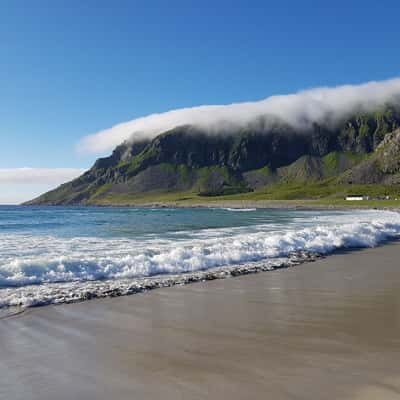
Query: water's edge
{"points": [[46, 261], [91, 290]]}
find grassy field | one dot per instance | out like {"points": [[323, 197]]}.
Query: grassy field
{"points": [[317, 194]]}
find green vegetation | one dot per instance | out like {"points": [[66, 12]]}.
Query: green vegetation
{"points": [[328, 190], [218, 181], [266, 171], [326, 194], [184, 174], [101, 190], [139, 162], [335, 162], [331, 162]]}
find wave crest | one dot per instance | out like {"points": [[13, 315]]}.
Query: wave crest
{"points": [[89, 259]]}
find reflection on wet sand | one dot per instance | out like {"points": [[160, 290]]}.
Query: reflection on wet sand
{"points": [[324, 330]]}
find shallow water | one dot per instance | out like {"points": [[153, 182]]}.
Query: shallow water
{"points": [[326, 330], [56, 254]]}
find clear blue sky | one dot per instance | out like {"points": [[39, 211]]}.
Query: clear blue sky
{"points": [[71, 68]]}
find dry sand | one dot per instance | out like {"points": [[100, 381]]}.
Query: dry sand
{"points": [[323, 330]]}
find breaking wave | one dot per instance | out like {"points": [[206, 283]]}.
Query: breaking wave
{"points": [[48, 260], [82, 259]]}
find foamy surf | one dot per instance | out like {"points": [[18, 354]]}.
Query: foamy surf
{"points": [[37, 269], [240, 209]]}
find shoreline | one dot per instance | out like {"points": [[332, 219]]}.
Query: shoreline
{"points": [[330, 327], [307, 205], [112, 288], [15, 299]]}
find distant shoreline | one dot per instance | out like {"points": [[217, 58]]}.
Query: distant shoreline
{"points": [[308, 205]]}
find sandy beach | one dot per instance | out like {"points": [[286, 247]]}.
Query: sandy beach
{"points": [[323, 330]]}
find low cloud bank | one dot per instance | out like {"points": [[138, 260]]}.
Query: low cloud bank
{"points": [[52, 176], [300, 110]]}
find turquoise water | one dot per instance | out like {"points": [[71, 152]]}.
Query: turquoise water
{"points": [[135, 223], [42, 247]]}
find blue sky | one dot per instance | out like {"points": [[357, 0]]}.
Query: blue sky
{"points": [[72, 68]]}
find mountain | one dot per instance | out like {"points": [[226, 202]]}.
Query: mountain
{"points": [[361, 150]]}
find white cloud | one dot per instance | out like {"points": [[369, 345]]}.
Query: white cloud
{"points": [[54, 176], [320, 105], [15, 193], [22, 184]]}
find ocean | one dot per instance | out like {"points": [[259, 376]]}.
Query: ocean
{"points": [[52, 255]]}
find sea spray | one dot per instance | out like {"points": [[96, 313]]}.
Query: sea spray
{"points": [[58, 293], [53, 265]]}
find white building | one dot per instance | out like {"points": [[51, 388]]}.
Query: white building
{"points": [[356, 197]]}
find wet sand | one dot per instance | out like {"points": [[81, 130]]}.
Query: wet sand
{"points": [[323, 330]]}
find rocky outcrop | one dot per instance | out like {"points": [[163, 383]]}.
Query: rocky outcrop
{"points": [[382, 166]]}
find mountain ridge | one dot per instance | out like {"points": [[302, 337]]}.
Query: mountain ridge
{"points": [[364, 149]]}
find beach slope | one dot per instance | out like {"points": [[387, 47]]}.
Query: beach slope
{"points": [[323, 330]]}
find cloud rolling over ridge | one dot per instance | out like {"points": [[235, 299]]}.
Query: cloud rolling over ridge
{"points": [[300, 110]]}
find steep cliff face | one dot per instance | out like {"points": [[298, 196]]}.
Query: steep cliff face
{"points": [[382, 166], [362, 149]]}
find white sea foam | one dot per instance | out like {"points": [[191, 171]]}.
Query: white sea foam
{"points": [[38, 260], [30, 259], [240, 209]]}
